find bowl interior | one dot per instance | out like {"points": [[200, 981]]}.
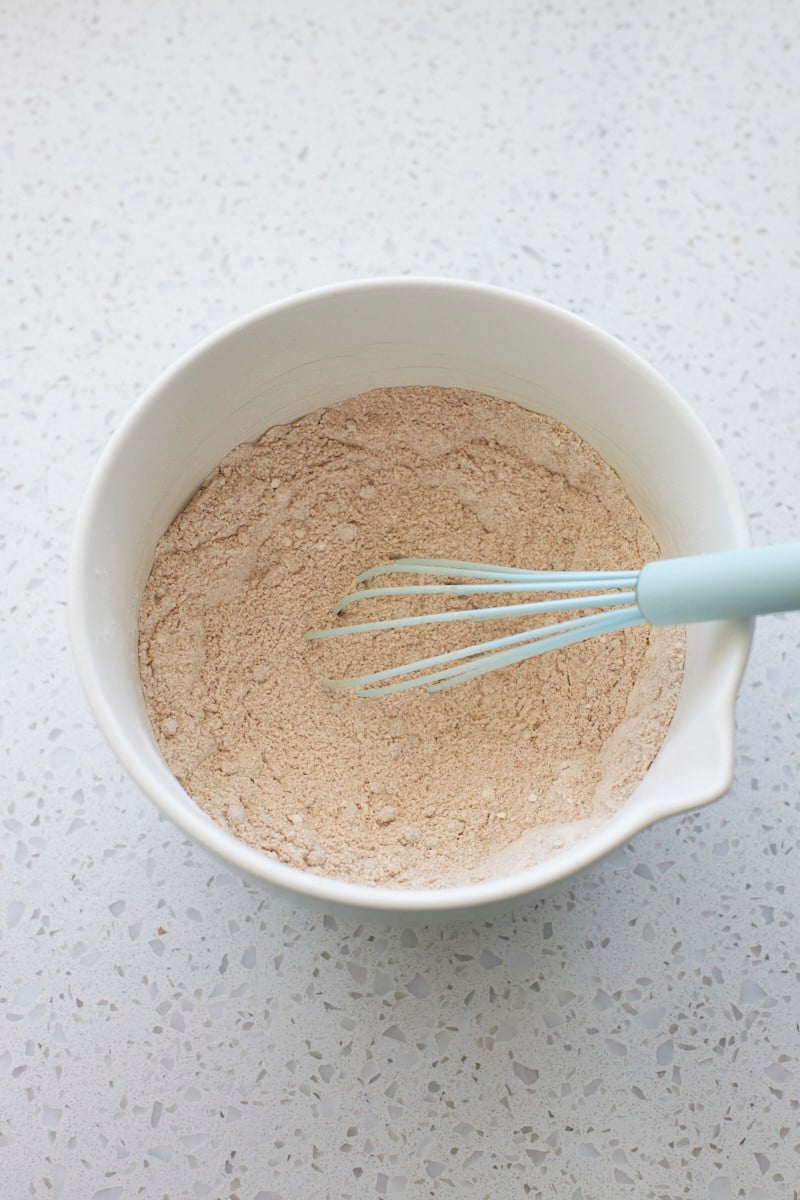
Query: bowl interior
{"points": [[323, 347]]}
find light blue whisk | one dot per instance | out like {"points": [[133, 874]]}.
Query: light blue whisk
{"points": [[673, 591]]}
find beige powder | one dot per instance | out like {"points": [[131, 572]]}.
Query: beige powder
{"points": [[413, 789]]}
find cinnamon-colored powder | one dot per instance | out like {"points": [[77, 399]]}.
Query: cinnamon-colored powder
{"points": [[414, 789]]}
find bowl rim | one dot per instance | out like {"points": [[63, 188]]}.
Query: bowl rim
{"points": [[612, 833]]}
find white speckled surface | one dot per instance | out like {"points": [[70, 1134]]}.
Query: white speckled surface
{"points": [[164, 1030]]}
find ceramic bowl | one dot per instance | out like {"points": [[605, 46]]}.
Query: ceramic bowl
{"points": [[318, 348]]}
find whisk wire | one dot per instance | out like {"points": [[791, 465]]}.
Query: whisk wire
{"points": [[520, 586], [456, 568], [468, 662], [598, 623], [463, 652], [497, 611]]}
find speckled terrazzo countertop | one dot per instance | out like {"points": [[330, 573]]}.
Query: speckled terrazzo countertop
{"points": [[166, 1031]]}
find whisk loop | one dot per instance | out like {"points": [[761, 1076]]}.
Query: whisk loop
{"points": [[441, 671]]}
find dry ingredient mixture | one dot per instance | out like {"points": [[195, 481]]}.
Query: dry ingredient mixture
{"points": [[414, 789]]}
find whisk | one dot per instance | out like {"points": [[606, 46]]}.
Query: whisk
{"points": [[675, 591]]}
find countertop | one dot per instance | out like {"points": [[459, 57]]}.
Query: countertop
{"points": [[167, 1031]]}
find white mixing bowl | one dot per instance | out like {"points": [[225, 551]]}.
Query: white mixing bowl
{"points": [[291, 358]]}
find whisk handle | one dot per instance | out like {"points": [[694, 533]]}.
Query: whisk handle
{"points": [[711, 587]]}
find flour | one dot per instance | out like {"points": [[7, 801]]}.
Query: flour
{"points": [[414, 789]]}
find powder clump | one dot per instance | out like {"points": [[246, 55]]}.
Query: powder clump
{"points": [[414, 789]]}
